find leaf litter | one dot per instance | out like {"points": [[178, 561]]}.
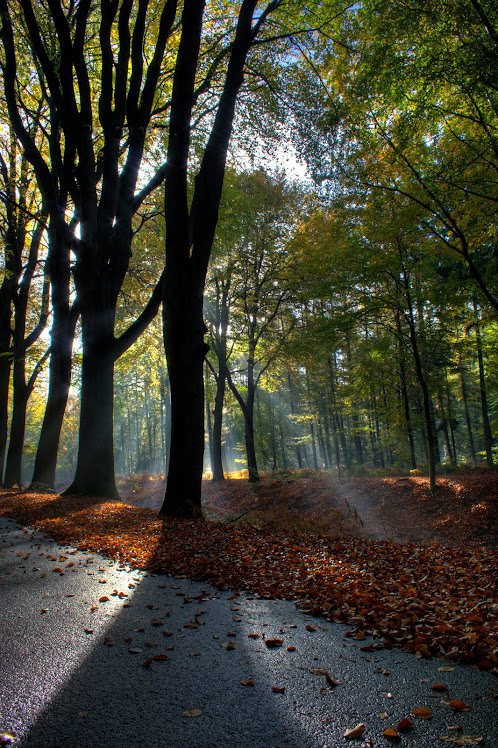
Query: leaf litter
{"points": [[429, 599]]}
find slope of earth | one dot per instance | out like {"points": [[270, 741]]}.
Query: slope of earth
{"points": [[463, 511]]}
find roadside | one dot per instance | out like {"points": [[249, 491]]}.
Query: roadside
{"points": [[79, 665]]}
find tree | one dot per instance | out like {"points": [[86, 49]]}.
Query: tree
{"points": [[94, 164], [24, 301], [433, 141], [190, 227]]}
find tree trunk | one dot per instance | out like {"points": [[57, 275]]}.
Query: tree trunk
{"points": [[217, 466], [486, 426], [5, 367], [61, 347], [13, 467], [95, 464], [252, 466], [185, 348], [467, 417]]}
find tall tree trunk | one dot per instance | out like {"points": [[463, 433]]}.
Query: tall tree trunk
{"points": [[95, 462], [427, 406], [486, 426], [293, 412], [406, 411], [338, 414], [62, 336], [252, 465], [185, 348], [5, 368], [13, 467], [467, 416], [217, 466]]}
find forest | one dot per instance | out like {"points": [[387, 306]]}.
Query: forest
{"points": [[246, 236]]}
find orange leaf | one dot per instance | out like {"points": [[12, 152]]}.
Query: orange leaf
{"points": [[273, 643], [422, 713], [459, 706], [391, 734], [103, 599]]}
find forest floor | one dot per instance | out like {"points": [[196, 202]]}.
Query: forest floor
{"points": [[462, 512], [381, 554]]}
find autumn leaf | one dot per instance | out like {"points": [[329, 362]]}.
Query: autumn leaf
{"points": [[247, 682], [273, 643], [88, 631], [405, 724], [103, 599], [192, 713], [391, 734], [464, 740], [320, 671], [439, 687], [422, 713], [134, 650], [355, 732], [459, 706], [278, 689]]}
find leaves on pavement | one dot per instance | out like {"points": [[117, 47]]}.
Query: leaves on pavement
{"points": [[429, 599]]}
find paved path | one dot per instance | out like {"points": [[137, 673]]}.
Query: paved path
{"points": [[72, 669]]}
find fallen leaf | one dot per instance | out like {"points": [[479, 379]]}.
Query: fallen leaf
{"points": [[405, 724], [391, 734], [273, 643], [160, 657], [88, 631], [278, 689], [103, 599], [192, 713], [459, 706], [247, 682], [108, 642], [310, 628], [134, 650], [439, 687], [422, 713], [464, 740], [355, 732]]}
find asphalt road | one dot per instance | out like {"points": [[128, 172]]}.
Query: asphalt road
{"points": [[77, 673]]}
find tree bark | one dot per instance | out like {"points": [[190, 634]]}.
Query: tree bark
{"points": [[467, 416], [217, 466], [185, 348], [95, 463], [486, 426], [62, 336]]}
